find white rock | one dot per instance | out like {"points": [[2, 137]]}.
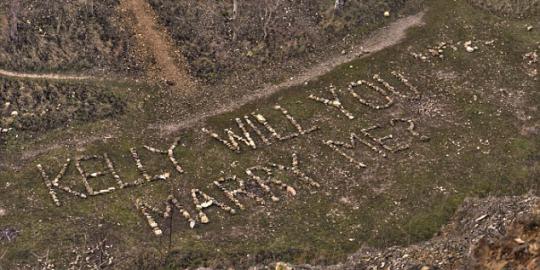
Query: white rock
{"points": [[260, 117], [480, 218], [469, 49], [14, 113], [291, 190], [387, 13], [529, 28], [204, 219], [207, 204]]}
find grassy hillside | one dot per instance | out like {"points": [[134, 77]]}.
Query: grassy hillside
{"points": [[477, 120]]}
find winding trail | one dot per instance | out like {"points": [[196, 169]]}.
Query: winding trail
{"points": [[383, 38], [48, 76]]}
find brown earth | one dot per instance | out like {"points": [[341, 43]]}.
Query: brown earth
{"points": [[169, 65]]}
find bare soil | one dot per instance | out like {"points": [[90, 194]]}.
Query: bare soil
{"points": [[169, 65]]}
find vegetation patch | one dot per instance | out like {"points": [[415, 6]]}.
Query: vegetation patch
{"points": [[223, 39], [68, 36], [28, 105]]}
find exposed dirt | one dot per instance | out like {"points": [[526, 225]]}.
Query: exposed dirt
{"points": [[156, 42]]}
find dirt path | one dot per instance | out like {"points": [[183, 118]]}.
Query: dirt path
{"points": [[50, 76], [154, 41], [381, 39]]}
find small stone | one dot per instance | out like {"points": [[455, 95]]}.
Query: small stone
{"points": [[207, 204], [283, 266], [2, 212], [387, 13], [519, 241], [469, 49], [529, 28], [260, 117], [335, 103], [14, 113], [481, 218], [291, 190], [204, 219]]}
